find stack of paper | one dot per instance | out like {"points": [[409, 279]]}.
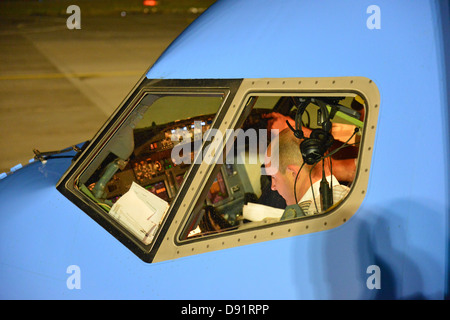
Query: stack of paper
{"points": [[257, 212], [140, 211]]}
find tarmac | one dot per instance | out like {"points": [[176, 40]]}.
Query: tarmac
{"points": [[58, 85]]}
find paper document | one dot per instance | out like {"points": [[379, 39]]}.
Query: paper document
{"points": [[140, 211], [257, 212]]}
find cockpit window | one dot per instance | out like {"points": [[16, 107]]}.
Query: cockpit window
{"points": [[294, 156], [190, 166], [135, 177]]}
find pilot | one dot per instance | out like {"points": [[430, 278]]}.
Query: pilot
{"points": [[344, 161], [285, 175]]}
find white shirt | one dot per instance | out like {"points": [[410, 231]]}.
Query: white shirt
{"points": [[307, 202]]}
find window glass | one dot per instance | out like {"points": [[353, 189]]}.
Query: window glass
{"points": [[291, 157], [135, 177]]}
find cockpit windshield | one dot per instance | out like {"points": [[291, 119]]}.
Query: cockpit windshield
{"points": [[221, 165]]}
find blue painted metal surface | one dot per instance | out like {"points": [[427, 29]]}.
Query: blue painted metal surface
{"points": [[402, 225]]}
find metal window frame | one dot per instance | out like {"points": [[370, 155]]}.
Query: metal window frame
{"points": [[167, 244], [66, 185]]}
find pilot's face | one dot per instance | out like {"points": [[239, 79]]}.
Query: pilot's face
{"points": [[283, 183]]}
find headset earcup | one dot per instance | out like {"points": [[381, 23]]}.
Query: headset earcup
{"points": [[314, 148], [311, 150], [324, 137]]}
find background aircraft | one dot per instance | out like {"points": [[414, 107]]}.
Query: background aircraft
{"points": [[388, 239]]}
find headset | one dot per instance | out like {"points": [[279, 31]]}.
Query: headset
{"points": [[313, 148], [320, 140]]}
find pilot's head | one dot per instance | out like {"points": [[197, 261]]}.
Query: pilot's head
{"points": [[289, 162]]}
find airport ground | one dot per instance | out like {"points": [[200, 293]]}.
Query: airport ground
{"points": [[58, 86]]}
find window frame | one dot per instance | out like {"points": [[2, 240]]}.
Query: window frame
{"points": [[93, 148], [167, 244]]}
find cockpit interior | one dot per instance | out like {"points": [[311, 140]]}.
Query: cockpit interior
{"points": [[142, 152]]}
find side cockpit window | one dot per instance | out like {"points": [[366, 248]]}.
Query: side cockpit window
{"points": [[293, 157]]}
